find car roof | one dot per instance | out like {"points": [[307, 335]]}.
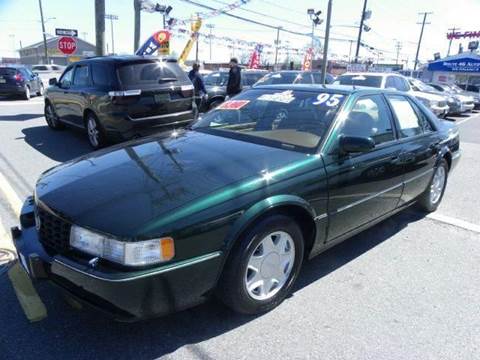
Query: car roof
{"points": [[124, 58], [371, 73], [343, 89]]}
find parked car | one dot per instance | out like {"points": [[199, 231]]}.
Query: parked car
{"points": [[453, 102], [435, 102], [294, 77], [19, 81], [470, 87], [216, 85], [48, 71], [474, 94], [467, 102], [120, 97], [234, 205]]}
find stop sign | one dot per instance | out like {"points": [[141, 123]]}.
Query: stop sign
{"points": [[67, 45]]}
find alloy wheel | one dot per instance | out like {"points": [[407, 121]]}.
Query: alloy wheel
{"points": [[438, 184], [93, 132], [270, 265]]}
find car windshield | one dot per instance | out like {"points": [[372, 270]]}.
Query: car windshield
{"points": [[149, 73], [219, 78], [360, 80], [280, 78], [422, 86], [39, 68], [291, 119]]}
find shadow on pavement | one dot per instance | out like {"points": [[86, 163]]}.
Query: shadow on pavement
{"points": [[57, 145], [19, 117], [84, 334]]}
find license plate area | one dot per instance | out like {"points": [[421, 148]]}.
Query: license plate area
{"points": [[2, 80], [162, 98]]}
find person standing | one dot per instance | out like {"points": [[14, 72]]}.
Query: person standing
{"points": [[198, 85], [234, 84]]}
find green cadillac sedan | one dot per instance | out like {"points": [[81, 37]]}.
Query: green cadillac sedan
{"points": [[235, 204]]}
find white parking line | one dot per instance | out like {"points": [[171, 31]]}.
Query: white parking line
{"points": [[11, 195], [465, 120], [455, 222]]}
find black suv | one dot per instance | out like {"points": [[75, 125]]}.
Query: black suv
{"points": [[18, 80], [120, 97]]}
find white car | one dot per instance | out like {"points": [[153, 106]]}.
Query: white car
{"points": [[436, 103], [48, 71]]}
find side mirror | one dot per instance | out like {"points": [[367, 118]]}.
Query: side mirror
{"points": [[53, 82], [355, 144]]}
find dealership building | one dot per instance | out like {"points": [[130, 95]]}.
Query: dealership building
{"points": [[35, 54], [463, 68]]}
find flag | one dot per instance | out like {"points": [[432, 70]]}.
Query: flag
{"points": [[307, 61], [254, 62]]}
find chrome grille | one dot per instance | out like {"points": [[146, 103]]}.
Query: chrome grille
{"points": [[53, 231]]}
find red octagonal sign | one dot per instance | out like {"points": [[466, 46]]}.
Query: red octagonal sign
{"points": [[67, 45]]}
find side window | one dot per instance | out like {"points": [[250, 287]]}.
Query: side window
{"points": [[303, 78], [370, 117], [424, 121], [66, 79], [391, 83], [82, 76], [401, 84], [317, 78], [408, 120], [101, 74]]}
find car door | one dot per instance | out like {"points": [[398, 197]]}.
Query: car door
{"points": [[78, 94], [31, 79], [420, 145], [59, 95], [363, 186]]}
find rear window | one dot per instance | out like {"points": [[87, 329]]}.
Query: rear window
{"points": [[150, 74], [282, 78], [360, 80], [8, 71], [251, 78], [216, 79]]}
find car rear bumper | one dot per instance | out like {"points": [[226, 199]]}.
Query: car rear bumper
{"points": [[123, 127], [11, 89], [124, 295]]}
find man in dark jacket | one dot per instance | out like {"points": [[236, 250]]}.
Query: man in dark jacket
{"points": [[198, 85], [234, 84]]}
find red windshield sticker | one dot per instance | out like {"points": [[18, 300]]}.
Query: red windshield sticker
{"points": [[233, 104]]}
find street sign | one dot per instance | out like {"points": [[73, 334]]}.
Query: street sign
{"points": [[66, 32], [67, 45]]}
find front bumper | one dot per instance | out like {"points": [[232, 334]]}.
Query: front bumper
{"points": [[125, 295], [440, 110]]}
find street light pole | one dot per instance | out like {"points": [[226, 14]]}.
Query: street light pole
{"points": [[276, 48], [100, 27], [43, 32], [450, 42], [112, 17], [425, 14], [210, 27], [360, 30], [325, 46]]}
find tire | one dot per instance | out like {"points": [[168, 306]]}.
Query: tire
{"points": [[40, 90], [52, 118], [214, 104], [432, 196], [95, 134], [26, 94], [249, 291]]}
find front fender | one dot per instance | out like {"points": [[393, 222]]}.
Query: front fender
{"points": [[260, 208]]}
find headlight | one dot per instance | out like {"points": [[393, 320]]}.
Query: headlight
{"points": [[127, 253]]}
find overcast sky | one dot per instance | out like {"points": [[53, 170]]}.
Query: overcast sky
{"points": [[391, 21]]}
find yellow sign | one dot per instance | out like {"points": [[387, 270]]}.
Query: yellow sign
{"points": [[164, 48]]}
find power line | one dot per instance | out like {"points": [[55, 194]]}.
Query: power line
{"points": [[281, 7]]}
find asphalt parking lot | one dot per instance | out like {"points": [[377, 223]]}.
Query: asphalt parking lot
{"points": [[405, 289]]}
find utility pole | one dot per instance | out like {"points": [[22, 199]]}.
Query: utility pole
{"points": [[210, 27], [100, 27], [398, 46], [325, 46], [277, 42], [43, 32], [112, 17], [425, 14], [350, 51], [451, 39], [360, 30], [196, 48], [137, 7]]}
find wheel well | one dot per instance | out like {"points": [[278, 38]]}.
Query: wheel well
{"points": [[448, 158], [85, 114], [301, 216]]}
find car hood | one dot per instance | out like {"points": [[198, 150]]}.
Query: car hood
{"points": [[119, 190], [429, 96]]}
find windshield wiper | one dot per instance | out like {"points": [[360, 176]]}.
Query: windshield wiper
{"points": [[167, 79]]}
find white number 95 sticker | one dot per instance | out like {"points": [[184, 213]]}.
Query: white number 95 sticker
{"points": [[330, 100]]}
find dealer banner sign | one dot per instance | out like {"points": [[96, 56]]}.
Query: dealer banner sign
{"points": [[456, 65]]}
